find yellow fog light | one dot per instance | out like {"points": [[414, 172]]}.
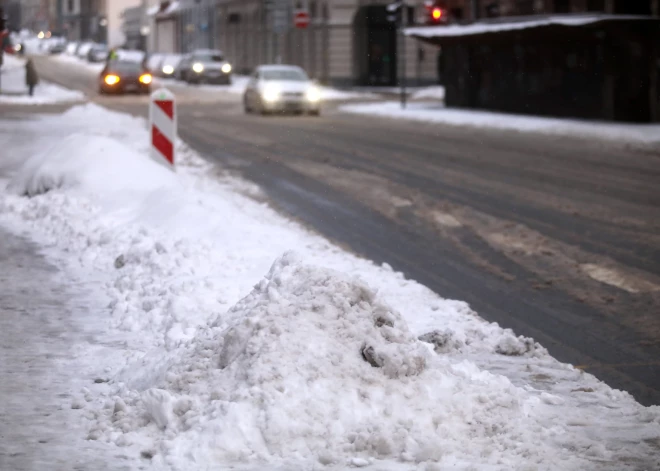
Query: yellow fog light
{"points": [[145, 79], [111, 79]]}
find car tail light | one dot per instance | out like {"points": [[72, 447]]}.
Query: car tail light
{"points": [[111, 79], [145, 79]]}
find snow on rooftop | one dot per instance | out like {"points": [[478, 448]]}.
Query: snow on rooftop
{"points": [[512, 24]]}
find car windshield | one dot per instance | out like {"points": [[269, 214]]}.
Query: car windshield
{"points": [[210, 57], [284, 74], [125, 67]]}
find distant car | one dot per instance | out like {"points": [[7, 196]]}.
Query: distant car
{"points": [[71, 48], [206, 66], [57, 47], [281, 88], [154, 63], [185, 64], [169, 66], [123, 76], [83, 49], [98, 53], [132, 55]]}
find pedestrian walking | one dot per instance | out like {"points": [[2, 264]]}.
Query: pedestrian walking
{"points": [[31, 77]]}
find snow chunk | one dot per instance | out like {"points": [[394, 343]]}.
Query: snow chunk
{"points": [[158, 404], [337, 311]]}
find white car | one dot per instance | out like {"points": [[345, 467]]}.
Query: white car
{"points": [[205, 66], [154, 62], [169, 65], [281, 88]]}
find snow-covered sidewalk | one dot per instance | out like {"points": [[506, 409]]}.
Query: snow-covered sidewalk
{"points": [[647, 135], [221, 348], [15, 91]]}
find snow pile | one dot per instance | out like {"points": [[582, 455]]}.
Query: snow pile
{"points": [[95, 164], [645, 134], [14, 90], [311, 367]]}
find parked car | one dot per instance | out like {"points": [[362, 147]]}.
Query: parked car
{"points": [[281, 88], [169, 66], [98, 53], [206, 66], [124, 76]]}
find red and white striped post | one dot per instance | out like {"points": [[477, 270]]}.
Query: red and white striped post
{"points": [[162, 126]]}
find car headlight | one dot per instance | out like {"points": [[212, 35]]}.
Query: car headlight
{"points": [[168, 70], [226, 68], [313, 94], [111, 79], [145, 79], [18, 47], [198, 67], [270, 94]]}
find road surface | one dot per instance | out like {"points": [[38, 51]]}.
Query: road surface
{"points": [[556, 238]]}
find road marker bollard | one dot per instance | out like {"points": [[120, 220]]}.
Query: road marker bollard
{"points": [[162, 126]]}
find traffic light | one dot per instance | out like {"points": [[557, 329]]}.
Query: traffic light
{"points": [[435, 14], [3, 20]]}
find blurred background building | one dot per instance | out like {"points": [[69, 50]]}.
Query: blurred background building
{"points": [[347, 42]]}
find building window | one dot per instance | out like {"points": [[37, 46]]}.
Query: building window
{"points": [[596, 5], [562, 6], [69, 6]]}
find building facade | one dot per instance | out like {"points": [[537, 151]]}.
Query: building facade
{"points": [[34, 15], [347, 42], [135, 28]]}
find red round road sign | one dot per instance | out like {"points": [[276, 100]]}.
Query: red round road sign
{"points": [[301, 19]]}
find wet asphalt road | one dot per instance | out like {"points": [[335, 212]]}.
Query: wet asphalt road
{"points": [[556, 238]]}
